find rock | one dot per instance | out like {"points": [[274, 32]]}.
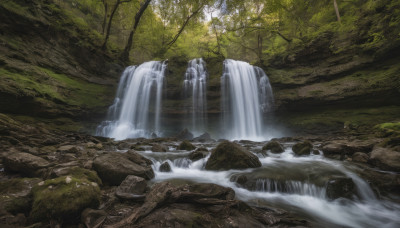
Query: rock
{"points": [[68, 149], [203, 138], [114, 167], [185, 135], [47, 149], [360, 157], [186, 145], [75, 171], [153, 135], [302, 148], [165, 167], [274, 147], [132, 187], [229, 155], [159, 148], [198, 154], [27, 164], [123, 146], [341, 148], [137, 158], [385, 159], [63, 199], [93, 218], [338, 187], [15, 194], [198, 205]]}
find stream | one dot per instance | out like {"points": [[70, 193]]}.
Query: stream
{"points": [[295, 184]]}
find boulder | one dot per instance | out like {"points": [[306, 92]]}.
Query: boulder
{"points": [[360, 157], [165, 167], [24, 163], [185, 135], [68, 149], [228, 155], [75, 171], [186, 145], [63, 199], [198, 154], [132, 187], [114, 167], [302, 148], [15, 194], [340, 148], [340, 187], [200, 205], [159, 148], [203, 138], [274, 147], [93, 218], [385, 159]]}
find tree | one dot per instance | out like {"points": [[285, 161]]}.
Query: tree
{"points": [[336, 10], [138, 16], [116, 5]]}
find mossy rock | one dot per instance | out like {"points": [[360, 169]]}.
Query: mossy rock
{"points": [[229, 155], [274, 147], [78, 172], [64, 199], [15, 194], [302, 148], [186, 145]]}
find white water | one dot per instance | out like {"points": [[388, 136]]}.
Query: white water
{"points": [[246, 94], [298, 196], [137, 106], [194, 86]]}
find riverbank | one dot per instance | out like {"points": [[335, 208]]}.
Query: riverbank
{"points": [[44, 170]]}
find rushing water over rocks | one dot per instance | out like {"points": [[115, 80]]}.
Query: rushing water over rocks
{"points": [[246, 94], [137, 106], [194, 86], [293, 183]]}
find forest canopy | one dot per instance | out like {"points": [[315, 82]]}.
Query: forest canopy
{"points": [[255, 31]]}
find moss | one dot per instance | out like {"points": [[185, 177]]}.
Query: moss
{"points": [[302, 148], [85, 173], [390, 126], [274, 147], [186, 145], [63, 199], [58, 88], [326, 119], [15, 194]]}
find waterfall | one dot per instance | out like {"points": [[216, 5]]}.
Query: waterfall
{"points": [[194, 86], [137, 107], [246, 94]]}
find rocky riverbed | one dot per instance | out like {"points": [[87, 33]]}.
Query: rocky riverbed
{"points": [[52, 178]]}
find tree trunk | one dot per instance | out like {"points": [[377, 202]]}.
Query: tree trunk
{"points": [[139, 14], [260, 46], [103, 26], [109, 24], [337, 10]]}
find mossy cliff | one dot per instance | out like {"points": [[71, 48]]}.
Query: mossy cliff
{"points": [[52, 65]]}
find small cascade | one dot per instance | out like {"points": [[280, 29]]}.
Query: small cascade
{"points": [[137, 107], [246, 94], [290, 187], [194, 86]]}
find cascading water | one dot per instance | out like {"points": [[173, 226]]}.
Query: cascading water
{"points": [[246, 94], [137, 106], [194, 86], [295, 184]]}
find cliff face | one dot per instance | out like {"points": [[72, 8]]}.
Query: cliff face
{"points": [[51, 66]]}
